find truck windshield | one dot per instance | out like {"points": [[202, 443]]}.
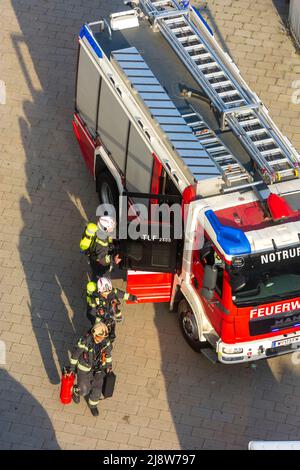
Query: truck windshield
{"points": [[265, 278]]}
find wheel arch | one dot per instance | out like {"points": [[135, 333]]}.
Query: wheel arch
{"points": [[103, 163], [192, 298]]}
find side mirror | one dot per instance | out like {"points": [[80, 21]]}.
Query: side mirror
{"points": [[209, 282], [205, 250]]}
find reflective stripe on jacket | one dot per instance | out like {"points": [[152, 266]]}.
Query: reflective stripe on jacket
{"points": [[83, 355]]}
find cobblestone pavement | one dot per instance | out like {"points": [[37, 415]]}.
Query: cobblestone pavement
{"points": [[167, 396]]}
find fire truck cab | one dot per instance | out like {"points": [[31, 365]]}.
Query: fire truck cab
{"points": [[163, 116]]}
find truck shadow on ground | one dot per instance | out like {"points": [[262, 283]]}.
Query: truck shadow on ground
{"points": [[216, 406], [34, 429]]}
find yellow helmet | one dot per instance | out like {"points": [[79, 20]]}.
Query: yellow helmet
{"points": [[91, 287]]}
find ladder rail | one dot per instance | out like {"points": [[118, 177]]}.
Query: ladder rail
{"points": [[192, 66], [266, 167], [230, 94]]}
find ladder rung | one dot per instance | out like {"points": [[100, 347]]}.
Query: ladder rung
{"points": [[161, 3], [241, 177], [287, 172], [174, 20], [205, 55], [228, 93], [218, 148], [181, 29], [189, 38], [258, 143], [279, 161], [271, 152], [208, 141], [219, 84], [207, 66], [240, 100], [214, 74], [249, 122], [196, 47], [227, 157], [189, 115], [256, 132], [195, 124]]}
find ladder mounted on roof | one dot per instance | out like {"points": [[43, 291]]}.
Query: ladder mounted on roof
{"points": [[232, 171], [186, 31]]}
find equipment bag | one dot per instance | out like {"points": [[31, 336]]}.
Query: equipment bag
{"points": [[67, 383], [109, 385]]}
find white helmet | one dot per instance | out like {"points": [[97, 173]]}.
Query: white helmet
{"points": [[104, 285], [106, 223]]}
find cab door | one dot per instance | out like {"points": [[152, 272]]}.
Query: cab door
{"points": [[209, 256], [154, 256]]}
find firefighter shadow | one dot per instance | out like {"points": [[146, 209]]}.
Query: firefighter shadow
{"points": [[216, 406], [24, 409], [59, 199], [282, 7], [60, 195]]}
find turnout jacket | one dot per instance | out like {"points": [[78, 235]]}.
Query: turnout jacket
{"points": [[101, 250], [88, 356], [107, 307]]}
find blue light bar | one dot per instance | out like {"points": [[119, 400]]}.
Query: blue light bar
{"points": [[232, 240]]}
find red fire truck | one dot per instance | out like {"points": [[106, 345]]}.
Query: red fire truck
{"points": [[162, 115]]}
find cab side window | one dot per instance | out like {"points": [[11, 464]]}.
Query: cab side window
{"points": [[209, 256]]}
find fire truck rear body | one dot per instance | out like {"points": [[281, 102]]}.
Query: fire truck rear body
{"points": [[140, 121]]}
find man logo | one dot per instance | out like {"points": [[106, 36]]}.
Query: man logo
{"points": [[287, 322], [2, 353]]}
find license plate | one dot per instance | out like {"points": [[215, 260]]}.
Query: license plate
{"points": [[285, 342]]}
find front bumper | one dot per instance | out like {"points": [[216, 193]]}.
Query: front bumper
{"points": [[259, 349]]}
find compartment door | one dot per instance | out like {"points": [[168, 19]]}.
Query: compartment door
{"points": [[153, 258]]}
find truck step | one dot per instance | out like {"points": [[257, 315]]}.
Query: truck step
{"points": [[210, 354]]}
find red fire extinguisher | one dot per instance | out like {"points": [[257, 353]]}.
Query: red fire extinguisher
{"points": [[67, 383]]}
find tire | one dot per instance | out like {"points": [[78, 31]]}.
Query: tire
{"points": [[108, 191], [188, 326]]}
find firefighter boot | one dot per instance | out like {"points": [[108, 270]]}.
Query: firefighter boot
{"points": [[75, 395], [94, 411]]}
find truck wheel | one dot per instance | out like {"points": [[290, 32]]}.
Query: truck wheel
{"points": [[188, 326], [108, 191]]}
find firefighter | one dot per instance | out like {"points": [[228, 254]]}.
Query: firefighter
{"points": [[92, 301], [92, 359], [98, 245], [107, 310]]}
